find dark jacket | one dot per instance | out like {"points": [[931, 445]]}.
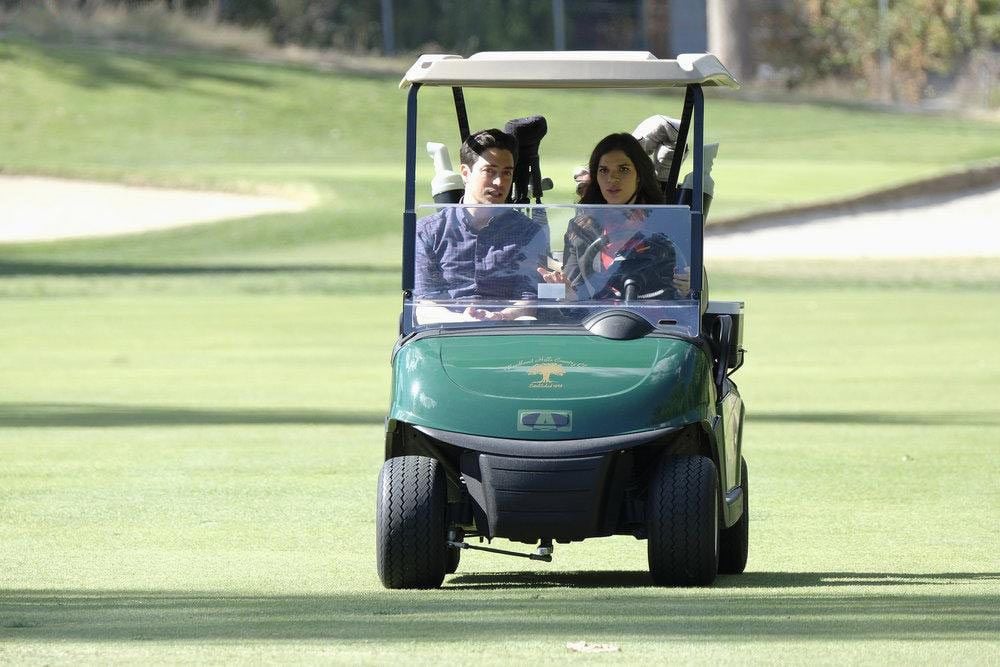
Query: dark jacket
{"points": [[652, 259]]}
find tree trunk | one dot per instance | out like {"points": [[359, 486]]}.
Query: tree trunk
{"points": [[729, 35]]}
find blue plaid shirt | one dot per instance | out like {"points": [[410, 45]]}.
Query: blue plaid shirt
{"points": [[499, 261]]}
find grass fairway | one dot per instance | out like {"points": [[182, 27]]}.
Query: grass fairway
{"points": [[189, 469], [336, 140], [191, 420]]}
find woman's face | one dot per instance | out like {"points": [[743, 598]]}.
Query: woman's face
{"points": [[617, 178]]}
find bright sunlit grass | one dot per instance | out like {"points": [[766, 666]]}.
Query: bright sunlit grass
{"points": [[336, 138], [189, 470], [191, 420]]}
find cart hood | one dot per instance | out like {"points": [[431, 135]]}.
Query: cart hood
{"points": [[550, 386]]}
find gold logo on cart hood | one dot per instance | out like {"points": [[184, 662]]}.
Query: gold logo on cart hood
{"points": [[547, 370]]}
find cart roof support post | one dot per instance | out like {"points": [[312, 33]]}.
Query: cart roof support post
{"points": [[670, 187], [409, 192], [463, 114], [697, 196]]}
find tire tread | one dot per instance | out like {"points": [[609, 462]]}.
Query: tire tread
{"points": [[682, 516], [410, 523]]}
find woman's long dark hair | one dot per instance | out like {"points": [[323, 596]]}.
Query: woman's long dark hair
{"points": [[647, 187]]}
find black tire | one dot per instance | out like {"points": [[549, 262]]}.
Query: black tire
{"points": [[410, 523], [734, 542], [454, 556], [682, 521]]}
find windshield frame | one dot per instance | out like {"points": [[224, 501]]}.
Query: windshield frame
{"points": [[693, 114], [634, 253]]}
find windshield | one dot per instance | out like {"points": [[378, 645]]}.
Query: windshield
{"points": [[548, 266]]}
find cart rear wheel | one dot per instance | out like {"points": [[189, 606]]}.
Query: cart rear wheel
{"points": [[410, 523], [682, 516], [734, 541]]}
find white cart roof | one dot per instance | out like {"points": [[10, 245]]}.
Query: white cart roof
{"points": [[568, 69]]}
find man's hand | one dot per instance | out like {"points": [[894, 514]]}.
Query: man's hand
{"points": [[682, 281], [554, 276], [483, 314], [522, 310], [496, 315], [557, 276]]}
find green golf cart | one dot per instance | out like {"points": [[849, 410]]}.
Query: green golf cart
{"points": [[602, 410]]}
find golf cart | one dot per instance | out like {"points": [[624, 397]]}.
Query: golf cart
{"points": [[604, 410]]}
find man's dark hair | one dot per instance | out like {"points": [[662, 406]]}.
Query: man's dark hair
{"points": [[483, 140], [647, 187]]}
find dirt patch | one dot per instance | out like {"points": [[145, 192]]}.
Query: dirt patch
{"points": [[959, 224], [43, 209], [960, 182], [941, 225]]}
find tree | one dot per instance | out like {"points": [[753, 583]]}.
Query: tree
{"points": [[928, 36], [842, 39], [729, 35]]}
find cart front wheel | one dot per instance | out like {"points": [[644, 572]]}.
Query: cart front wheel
{"points": [[682, 513], [411, 523]]}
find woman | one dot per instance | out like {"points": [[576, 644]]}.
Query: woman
{"points": [[620, 173]]}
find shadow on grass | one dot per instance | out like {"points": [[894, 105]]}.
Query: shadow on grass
{"points": [[747, 580], [19, 268], [537, 580], [100, 68], [435, 616], [171, 65], [922, 418], [103, 415], [841, 579]]}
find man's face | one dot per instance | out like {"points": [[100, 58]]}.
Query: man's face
{"points": [[488, 180]]}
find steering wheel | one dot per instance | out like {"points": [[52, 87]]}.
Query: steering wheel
{"points": [[586, 263], [644, 267]]}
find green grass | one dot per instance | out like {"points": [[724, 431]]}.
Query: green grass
{"points": [[191, 420], [189, 472], [336, 139]]}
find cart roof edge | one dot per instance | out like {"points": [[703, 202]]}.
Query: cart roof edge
{"points": [[568, 69]]}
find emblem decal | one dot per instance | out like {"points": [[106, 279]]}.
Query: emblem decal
{"points": [[545, 420], [546, 368]]}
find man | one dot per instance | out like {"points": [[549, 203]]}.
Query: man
{"points": [[481, 253]]}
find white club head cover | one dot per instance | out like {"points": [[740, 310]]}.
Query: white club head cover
{"points": [[657, 135]]}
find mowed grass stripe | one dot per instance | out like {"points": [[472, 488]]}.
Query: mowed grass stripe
{"points": [[190, 420], [233, 494]]}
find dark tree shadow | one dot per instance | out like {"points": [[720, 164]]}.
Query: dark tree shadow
{"points": [[77, 269], [100, 68], [159, 68], [104, 415], [747, 580], [401, 617], [533, 580]]}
